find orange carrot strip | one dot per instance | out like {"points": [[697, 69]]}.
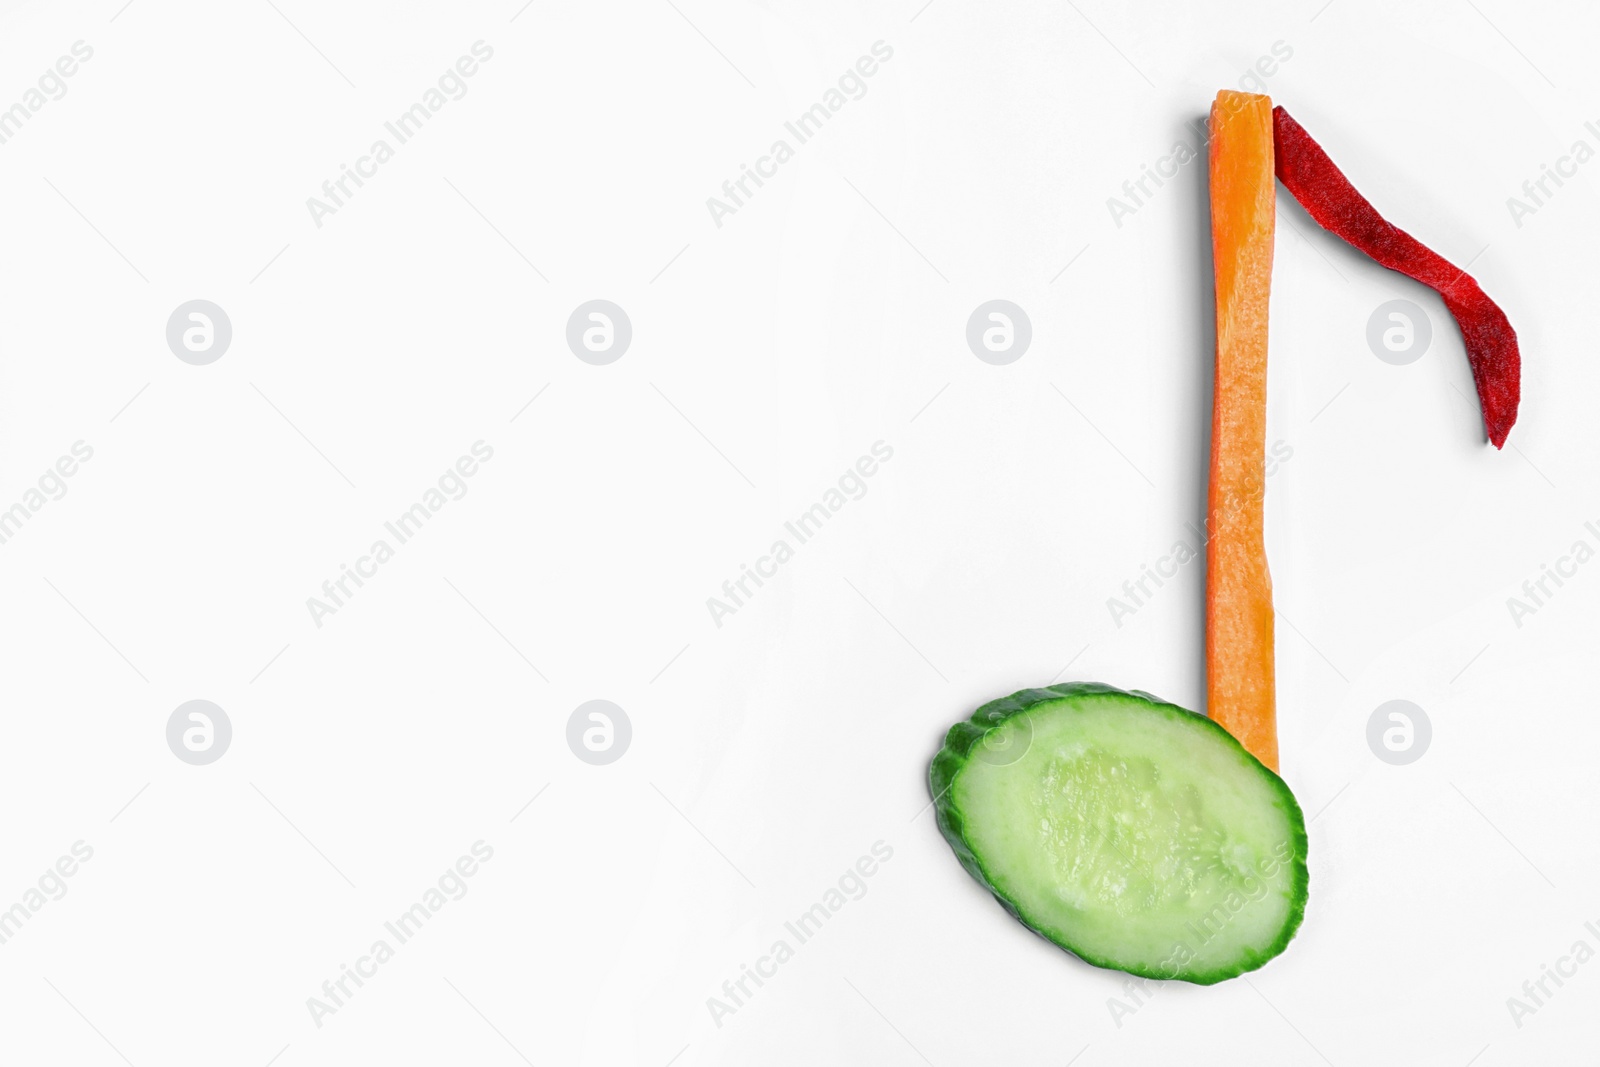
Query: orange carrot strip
{"points": [[1239, 662]]}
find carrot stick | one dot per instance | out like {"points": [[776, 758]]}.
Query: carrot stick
{"points": [[1239, 620]]}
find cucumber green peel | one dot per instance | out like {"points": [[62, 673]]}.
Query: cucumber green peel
{"points": [[1134, 834]]}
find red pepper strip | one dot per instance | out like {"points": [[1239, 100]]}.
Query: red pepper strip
{"points": [[1327, 195]]}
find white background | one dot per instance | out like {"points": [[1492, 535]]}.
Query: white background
{"points": [[768, 354]]}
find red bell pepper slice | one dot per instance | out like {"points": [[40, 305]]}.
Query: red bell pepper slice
{"points": [[1327, 195]]}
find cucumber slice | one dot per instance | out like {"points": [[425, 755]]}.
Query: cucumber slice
{"points": [[1128, 831]]}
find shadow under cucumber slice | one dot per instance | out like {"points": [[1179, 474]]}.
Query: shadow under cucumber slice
{"points": [[1132, 833]]}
